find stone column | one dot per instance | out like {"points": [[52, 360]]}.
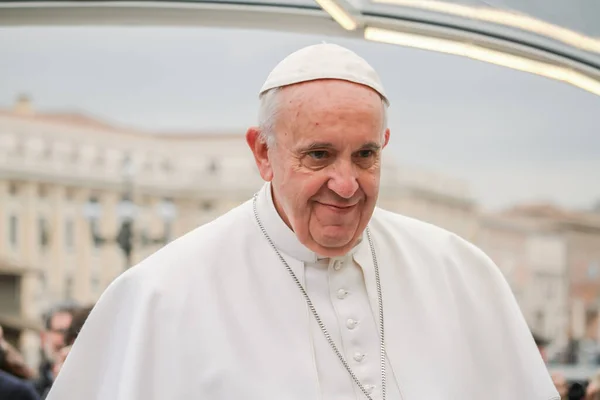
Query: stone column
{"points": [[56, 263], [84, 248], [29, 257], [29, 249], [112, 262]]}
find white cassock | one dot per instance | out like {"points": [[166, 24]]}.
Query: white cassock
{"points": [[215, 315]]}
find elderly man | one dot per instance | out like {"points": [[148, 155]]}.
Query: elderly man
{"points": [[308, 291]]}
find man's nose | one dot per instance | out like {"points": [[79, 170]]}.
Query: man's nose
{"points": [[343, 180]]}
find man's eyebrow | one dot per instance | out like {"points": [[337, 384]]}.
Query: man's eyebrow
{"points": [[329, 146], [317, 146], [371, 146]]}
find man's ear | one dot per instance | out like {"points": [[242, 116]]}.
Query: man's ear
{"points": [[386, 137], [261, 153]]}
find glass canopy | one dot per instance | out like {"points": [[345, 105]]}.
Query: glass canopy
{"points": [[559, 39]]}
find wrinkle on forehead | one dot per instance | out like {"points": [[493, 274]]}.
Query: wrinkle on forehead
{"points": [[308, 104]]}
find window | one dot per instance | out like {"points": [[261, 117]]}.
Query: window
{"points": [[13, 230], [593, 270], [207, 205], [42, 233], [167, 166], [550, 290], [47, 152], [43, 282], [70, 193], [69, 288], [95, 283], [540, 320], [42, 191], [95, 228], [213, 167], [12, 189], [168, 231], [69, 234]]}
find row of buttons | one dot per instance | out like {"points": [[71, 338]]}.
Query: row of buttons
{"points": [[351, 324]]}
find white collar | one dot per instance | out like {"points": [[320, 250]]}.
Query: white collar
{"points": [[282, 236]]}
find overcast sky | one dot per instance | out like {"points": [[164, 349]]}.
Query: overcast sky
{"points": [[512, 136]]}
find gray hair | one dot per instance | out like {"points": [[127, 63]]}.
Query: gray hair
{"points": [[67, 307], [269, 110]]}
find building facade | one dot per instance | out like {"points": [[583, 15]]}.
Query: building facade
{"points": [[551, 259]]}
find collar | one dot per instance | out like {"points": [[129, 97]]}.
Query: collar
{"points": [[282, 236]]}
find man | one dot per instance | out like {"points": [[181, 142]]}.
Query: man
{"points": [[78, 319], [307, 291], [11, 360], [56, 323], [561, 385], [11, 387]]}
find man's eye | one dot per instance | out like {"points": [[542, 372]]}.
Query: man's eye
{"points": [[318, 154], [365, 153]]}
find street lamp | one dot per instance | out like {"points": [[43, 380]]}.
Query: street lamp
{"points": [[127, 212]]}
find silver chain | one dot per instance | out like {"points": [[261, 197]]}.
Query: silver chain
{"points": [[318, 318]]}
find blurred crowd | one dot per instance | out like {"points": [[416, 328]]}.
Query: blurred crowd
{"points": [[18, 381]]}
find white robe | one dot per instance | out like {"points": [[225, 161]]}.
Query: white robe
{"points": [[215, 315]]}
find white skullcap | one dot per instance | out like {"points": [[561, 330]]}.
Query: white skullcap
{"points": [[323, 61]]}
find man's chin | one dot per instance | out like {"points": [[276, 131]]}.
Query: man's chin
{"points": [[331, 246]]}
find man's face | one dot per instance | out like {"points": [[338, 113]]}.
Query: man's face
{"points": [[325, 165], [561, 384], [55, 336]]}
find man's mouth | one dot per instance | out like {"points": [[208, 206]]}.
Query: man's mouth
{"points": [[338, 207]]}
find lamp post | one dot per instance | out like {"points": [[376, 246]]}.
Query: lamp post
{"points": [[127, 212]]}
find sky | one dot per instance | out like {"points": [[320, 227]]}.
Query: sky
{"points": [[512, 136]]}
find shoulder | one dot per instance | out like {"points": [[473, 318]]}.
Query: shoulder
{"points": [[436, 245], [419, 232], [194, 253], [16, 388]]}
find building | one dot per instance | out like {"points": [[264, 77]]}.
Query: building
{"points": [[551, 259], [429, 196], [70, 185], [579, 233]]}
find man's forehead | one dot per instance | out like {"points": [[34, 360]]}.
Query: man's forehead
{"points": [[61, 317], [329, 90]]}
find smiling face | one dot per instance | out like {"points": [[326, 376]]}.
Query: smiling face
{"points": [[325, 164]]}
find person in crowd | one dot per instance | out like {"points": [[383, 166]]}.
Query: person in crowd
{"points": [[593, 388], [79, 318], [56, 322], [12, 361], [308, 290], [561, 385], [12, 387]]}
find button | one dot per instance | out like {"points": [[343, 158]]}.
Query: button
{"points": [[369, 388], [337, 265], [342, 293], [351, 324], [358, 357]]}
